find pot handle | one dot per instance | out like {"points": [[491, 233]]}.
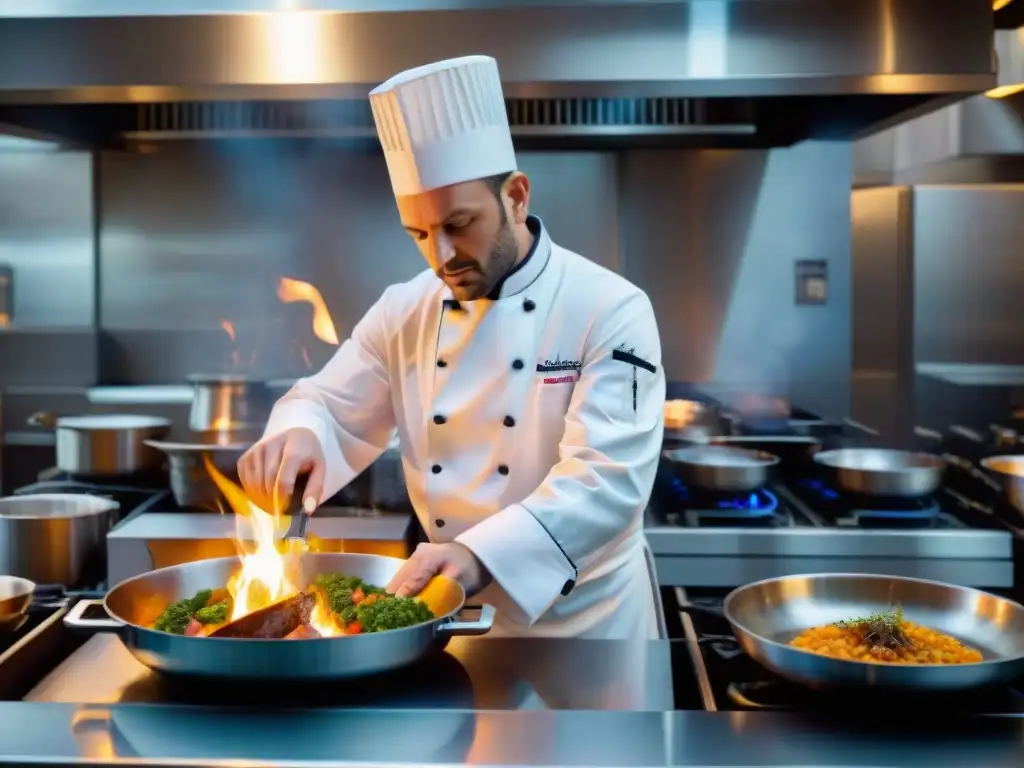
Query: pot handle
{"points": [[43, 419], [75, 618], [481, 626]]}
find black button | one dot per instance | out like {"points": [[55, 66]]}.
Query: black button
{"points": [[439, 419], [436, 469], [568, 587], [529, 306], [439, 523], [518, 365], [442, 363], [452, 304], [509, 421], [502, 469]]}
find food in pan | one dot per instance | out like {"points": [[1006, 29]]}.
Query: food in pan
{"points": [[205, 607], [885, 638], [352, 606]]}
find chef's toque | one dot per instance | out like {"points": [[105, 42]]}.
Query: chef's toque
{"points": [[442, 124]]}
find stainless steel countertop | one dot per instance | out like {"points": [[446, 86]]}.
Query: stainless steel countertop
{"points": [[67, 734], [478, 673], [533, 702]]}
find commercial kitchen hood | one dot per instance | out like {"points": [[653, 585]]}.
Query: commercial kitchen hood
{"points": [[977, 140], [748, 72]]}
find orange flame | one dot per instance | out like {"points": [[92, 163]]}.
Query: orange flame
{"points": [[270, 569], [229, 328], [290, 290]]}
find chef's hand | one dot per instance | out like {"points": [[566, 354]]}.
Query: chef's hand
{"points": [[453, 560], [269, 469]]}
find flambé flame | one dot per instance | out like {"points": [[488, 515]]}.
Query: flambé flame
{"points": [[270, 568], [290, 290]]}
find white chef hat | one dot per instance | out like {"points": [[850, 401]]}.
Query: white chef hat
{"points": [[442, 124]]}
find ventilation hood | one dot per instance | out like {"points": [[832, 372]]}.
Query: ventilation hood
{"points": [[977, 140], [765, 72]]}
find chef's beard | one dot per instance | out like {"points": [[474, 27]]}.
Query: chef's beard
{"points": [[482, 278]]}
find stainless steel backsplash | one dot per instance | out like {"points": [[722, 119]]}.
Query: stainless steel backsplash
{"points": [[195, 235]]}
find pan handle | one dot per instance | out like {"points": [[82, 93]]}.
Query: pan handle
{"points": [[481, 626], [703, 610], [75, 618]]}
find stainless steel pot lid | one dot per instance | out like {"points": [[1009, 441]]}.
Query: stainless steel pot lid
{"points": [[48, 506], [98, 421], [223, 378], [169, 447]]}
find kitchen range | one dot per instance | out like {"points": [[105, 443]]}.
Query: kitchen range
{"points": [[71, 691]]}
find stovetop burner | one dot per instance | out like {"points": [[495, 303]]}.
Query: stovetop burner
{"points": [[847, 510], [697, 508]]}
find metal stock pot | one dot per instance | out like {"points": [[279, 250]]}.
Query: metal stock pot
{"points": [[55, 538], [105, 444]]}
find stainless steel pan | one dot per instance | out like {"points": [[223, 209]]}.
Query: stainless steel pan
{"points": [[1009, 471], [881, 472], [794, 451], [134, 604], [766, 615], [17, 597], [719, 468]]}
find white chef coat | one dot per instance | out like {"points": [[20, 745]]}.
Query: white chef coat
{"points": [[530, 428]]}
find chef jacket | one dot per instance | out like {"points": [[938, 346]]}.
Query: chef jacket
{"points": [[530, 425]]}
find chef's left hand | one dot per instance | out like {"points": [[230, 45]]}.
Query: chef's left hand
{"points": [[452, 560]]}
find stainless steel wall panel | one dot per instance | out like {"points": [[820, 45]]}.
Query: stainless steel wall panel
{"points": [[969, 274], [196, 235], [883, 312], [713, 236], [46, 236]]}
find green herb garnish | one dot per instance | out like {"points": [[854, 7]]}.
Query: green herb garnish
{"points": [[881, 630]]}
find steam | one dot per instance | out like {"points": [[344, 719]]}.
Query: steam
{"points": [[757, 346]]}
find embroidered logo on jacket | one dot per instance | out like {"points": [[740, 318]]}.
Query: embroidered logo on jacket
{"points": [[557, 365]]}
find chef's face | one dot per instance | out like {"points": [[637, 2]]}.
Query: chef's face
{"points": [[466, 232]]}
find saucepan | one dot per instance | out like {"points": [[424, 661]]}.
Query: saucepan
{"points": [[133, 606], [191, 484], [104, 444], [719, 468], [766, 615], [883, 472], [1009, 471]]}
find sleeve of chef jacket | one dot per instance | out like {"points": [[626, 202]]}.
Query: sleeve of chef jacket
{"points": [[608, 457], [347, 404]]}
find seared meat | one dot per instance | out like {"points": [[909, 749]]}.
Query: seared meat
{"points": [[273, 622]]}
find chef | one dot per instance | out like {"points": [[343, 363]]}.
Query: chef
{"points": [[525, 383]]}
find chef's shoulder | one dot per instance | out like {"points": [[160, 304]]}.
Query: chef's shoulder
{"points": [[594, 290], [403, 303]]}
